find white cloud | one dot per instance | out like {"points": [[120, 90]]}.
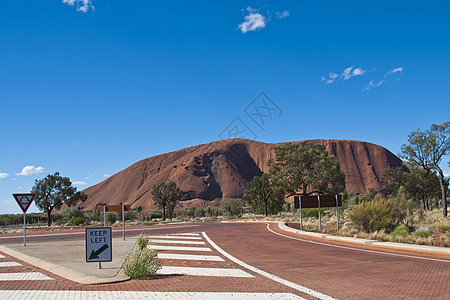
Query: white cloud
{"points": [[106, 175], [282, 15], [253, 21], [393, 71], [331, 77], [80, 5], [350, 72], [31, 170], [372, 84], [345, 75], [13, 179], [79, 183], [4, 175]]}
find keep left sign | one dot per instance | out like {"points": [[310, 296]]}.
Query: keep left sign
{"points": [[98, 244]]}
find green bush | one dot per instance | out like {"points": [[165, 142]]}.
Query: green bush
{"points": [[71, 212], [422, 232], [444, 228], [373, 215], [312, 212], [142, 241], [231, 206], [75, 221], [401, 230], [111, 218], [141, 263]]}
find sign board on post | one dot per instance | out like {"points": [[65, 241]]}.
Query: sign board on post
{"points": [[311, 201], [24, 200], [98, 244]]}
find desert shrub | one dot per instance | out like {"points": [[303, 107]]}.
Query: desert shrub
{"points": [[403, 208], [312, 212], [141, 263], [111, 218], [213, 211], [75, 221], [400, 230], [142, 241], [422, 232], [444, 228], [231, 206], [71, 212], [373, 215]]}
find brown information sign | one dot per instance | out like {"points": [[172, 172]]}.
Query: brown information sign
{"points": [[312, 201], [115, 208]]}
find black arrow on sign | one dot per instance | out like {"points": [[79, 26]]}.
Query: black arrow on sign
{"points": [[94, 254]]}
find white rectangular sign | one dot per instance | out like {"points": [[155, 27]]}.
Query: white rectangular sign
{"points": [[98, 244]]}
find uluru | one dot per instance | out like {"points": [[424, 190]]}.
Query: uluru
{"points": [[221, 169]]}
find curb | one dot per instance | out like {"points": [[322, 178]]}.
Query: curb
{"points": [[418, 249], [64, 272]]}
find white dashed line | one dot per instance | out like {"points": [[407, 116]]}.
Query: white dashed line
{"points": [[1, 256], [9, 264], [175, 237], [176, 248], [108, 295], [176, 242], [190, 257], [218, 272], [187, 234], [24, 276]]}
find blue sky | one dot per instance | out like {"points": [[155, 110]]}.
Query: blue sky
{"points": [[89, 87]]}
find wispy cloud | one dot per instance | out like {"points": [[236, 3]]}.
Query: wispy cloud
{"points": [[282, 15], [3, 175], [376, 83], [393, 71], [345, 75], [80, 5], [372, 84], [256, 20], [79, 183], [106, 175], [31, 170]]}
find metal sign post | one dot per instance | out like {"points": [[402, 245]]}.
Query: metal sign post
{"points": [[320, 220], [104, 215], [123, 221], [300, 210], [24, 201], [337, 212]]}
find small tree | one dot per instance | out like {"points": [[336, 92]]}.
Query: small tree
{"points": [[261, 194], [166, 195], [231, 205], [426, 149], [53, 191], [305, 168]]}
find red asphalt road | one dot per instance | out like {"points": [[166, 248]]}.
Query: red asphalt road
{"points": [[335, 271]]}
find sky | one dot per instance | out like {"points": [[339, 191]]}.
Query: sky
{"points": [[89, 87]]}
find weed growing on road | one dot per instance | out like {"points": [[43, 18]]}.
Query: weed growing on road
{"points": [[142, 241], [141, 263]]}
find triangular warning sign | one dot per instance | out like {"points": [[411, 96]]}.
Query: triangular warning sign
{"points": [[24, 200]]}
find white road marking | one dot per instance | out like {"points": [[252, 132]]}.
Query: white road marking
{"points": [[1, 256], [176, 248], [219, 272], [268, 275], [175, 237], [9, 264], [108, 295], [190, 257], [187, 234], [82, 232], [24, 276], [176, 242], [356, 249]]}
